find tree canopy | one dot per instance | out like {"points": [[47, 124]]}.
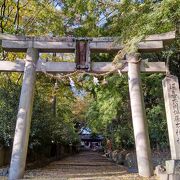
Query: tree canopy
{"points": [[104, 107]]}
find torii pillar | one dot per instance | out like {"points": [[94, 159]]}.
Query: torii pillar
{"points": [[142, 143], [21, 138]]}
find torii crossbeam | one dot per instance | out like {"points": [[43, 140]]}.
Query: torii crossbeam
{"points": [[82, 47], [12, 43]]}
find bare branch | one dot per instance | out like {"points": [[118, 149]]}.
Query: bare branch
{"points": [[16, 19], [3, 9]]}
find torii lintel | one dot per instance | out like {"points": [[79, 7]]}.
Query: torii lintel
{"points": [[68, 44]]}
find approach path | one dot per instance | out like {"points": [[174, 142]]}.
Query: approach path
{"points": [[83, 166]]}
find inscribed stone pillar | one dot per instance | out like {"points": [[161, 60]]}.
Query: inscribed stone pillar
{"points": [[21, 138], [142, 143], [172, 105]]}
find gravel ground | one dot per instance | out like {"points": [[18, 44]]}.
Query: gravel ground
{"points": [[84, 166]]}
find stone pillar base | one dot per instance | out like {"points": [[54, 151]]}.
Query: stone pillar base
{"points": [[173, 167], [169, 177], [172, 170]]}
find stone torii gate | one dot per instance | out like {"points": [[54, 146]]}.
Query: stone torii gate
{"points": [[82, 47]]}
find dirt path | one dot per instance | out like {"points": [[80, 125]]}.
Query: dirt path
{"points": [[83, 166]]}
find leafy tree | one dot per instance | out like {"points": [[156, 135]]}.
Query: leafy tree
{"points": [[107, 110], [9, 94]]}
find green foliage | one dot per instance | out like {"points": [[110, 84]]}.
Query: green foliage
{"points": [[133, 20], [153, 95], [9, 94], [45, 128], [107, 110]]}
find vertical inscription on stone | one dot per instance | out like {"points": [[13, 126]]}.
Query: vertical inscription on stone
{"points": [[174, 92], [172, 105]]}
